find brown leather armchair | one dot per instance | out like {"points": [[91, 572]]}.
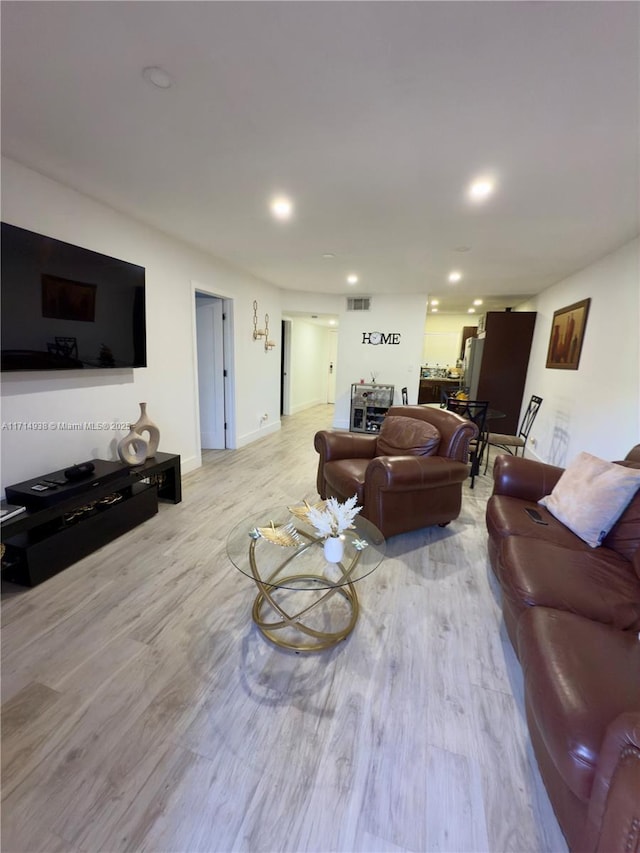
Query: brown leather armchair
{"points": [[404, 490]]}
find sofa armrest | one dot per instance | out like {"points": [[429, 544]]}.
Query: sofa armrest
{"points": [[339, 444], [634, 454], [408, 473], [524, 478], [613, 820]]}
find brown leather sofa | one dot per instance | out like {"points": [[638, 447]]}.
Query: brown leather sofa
{"points": [[405, 489], [573, 616]]}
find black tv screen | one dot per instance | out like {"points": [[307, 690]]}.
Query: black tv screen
{"points": [[68, 308]]}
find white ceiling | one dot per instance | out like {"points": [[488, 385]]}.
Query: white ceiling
{"points": [[372, 116]]}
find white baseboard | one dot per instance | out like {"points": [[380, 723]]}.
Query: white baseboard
{"points": [[190, 464], [250, 437], [301, 407], [531, 454]]}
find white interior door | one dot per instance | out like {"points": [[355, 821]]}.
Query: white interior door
{"points": [[211, 385], [332, 352]]}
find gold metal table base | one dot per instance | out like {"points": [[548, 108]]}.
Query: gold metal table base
{"points": [[310, 638]]}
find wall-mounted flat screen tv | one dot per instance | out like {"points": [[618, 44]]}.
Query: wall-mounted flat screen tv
{"points": [[68, 308]]}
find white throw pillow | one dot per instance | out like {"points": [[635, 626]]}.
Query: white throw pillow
{"points": [[591, 495]]}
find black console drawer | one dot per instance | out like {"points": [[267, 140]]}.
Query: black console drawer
{"points": [[29, 560]]}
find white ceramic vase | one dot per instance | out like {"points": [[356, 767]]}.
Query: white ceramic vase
{"points": [[132, 449], [145, 424], [333, 549]]}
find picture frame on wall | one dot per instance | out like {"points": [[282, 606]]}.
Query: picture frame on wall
{"points": [[567, 335]]}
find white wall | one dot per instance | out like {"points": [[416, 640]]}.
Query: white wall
{"points": [[169, 384], [297, 301], [443, 338], [308, 367], [392, 364], [595, 408]]}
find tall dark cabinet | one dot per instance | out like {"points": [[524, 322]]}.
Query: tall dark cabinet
{"points": [[503, 369]]}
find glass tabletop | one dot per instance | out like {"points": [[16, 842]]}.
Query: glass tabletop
{"points": [[495, 414], [302, 565]]}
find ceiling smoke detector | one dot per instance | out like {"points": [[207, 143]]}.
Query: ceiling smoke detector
{"points": [[157, 76]]}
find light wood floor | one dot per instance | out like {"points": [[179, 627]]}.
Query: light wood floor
{"points": [[142, 711]]}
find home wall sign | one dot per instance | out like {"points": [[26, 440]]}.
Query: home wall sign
{"points": [[376, 338]]}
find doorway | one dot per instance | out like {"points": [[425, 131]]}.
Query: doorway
{"points": [[332, 348], [285, 363], [212, 348]]}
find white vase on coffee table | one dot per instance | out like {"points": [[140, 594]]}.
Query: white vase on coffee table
{"points": [[333, 549]]}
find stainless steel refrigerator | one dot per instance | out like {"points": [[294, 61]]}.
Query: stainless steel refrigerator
{"points": [[473, 349]]}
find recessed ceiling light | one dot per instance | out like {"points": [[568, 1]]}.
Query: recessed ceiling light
{"points": [[332, 322], [462, 249], [455, 276], [477, 301], [281, 207], [481, 189], [435, 302], [328, 256], [158, 77], [434, 310], [352, 278], [471, 311]]}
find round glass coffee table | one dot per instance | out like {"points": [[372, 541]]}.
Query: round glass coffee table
{"points": [[304, 602]]}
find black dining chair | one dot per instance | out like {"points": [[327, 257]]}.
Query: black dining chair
{"points": [[476, 411], [513, 443], [405, 396]]}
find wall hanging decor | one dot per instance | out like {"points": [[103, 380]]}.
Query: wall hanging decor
{"points": [[268, 344], [257, 333], [262, 333], [567, 335]]}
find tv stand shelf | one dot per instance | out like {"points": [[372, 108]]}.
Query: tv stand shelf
{"points": [[43, 541]]}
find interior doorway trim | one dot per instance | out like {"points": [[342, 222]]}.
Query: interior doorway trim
{"points": [[285, 368], [226, 396]]}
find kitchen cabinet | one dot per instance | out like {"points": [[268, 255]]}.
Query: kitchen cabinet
{"points": [[369, 405], [430, 390]]}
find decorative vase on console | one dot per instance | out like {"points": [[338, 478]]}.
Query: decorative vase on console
{"points": [[132, 449], [145, 424]]}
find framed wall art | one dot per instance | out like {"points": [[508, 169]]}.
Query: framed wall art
{"points": [[567, 335]]}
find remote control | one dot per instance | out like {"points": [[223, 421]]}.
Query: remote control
{"points": [[534, 515]]}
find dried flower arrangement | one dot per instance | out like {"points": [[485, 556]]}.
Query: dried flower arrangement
{"points": [[335, 518]]}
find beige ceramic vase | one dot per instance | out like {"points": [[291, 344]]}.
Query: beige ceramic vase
{"points": [[145, 424], [132, 449]]}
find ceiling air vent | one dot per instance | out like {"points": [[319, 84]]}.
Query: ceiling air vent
{"points": [[358, 303]]}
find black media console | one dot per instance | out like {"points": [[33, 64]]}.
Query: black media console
{"points": [[65, 523]]}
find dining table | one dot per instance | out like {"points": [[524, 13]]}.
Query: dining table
{"points": [[492, 415]]}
